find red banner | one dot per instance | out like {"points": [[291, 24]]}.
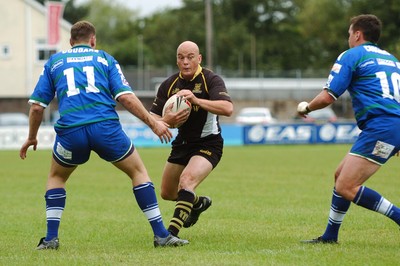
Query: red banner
{"points": [[54, 14]]}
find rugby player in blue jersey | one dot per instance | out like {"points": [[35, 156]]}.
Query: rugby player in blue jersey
{"points": [[87, 82], [372, 77]]}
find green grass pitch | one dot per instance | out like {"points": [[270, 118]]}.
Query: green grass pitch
{"points": [[265, 200]]}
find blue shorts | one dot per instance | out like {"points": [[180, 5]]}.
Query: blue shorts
{"points": [[379, 140], [73, 146]]}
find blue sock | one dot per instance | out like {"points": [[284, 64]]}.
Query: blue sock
{"points": [[55, 204], [372, 200], [147, 201], [339, 207]]}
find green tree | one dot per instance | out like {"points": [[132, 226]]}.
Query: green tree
{"points": [[165, 31], [253, 37], [117, 28], [324, 25], [72, 11], [389, 13], [268, 37], [248, 35]]}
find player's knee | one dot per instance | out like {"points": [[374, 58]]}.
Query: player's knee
{"points": [[187, 182], [336, 175], [165, 195], [345, 191]]}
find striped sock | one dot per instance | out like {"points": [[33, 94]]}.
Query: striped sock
{"points": [[184, 204], [147, 201], [372, 200], [55, 204], [196, 201], [339, 207]]}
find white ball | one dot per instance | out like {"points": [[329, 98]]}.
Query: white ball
{"points": [[179, 103], [302, 107]]}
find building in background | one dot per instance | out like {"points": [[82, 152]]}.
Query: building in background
{"points": [[25, 45]]}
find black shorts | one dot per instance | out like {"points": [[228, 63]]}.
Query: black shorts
{"points": [[209, 147]]}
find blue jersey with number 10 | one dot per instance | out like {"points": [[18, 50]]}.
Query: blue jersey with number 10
{"points": [[372, 77], [86, 82]]}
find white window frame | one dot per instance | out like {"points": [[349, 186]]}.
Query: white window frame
{"points": [[5, 51], [44, 51]]}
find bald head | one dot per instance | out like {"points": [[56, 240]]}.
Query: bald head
{"points": [[188, 46], [188, 59]]}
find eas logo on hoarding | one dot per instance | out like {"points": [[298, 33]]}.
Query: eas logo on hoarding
{"points": [[278, 134], [297, 133]]}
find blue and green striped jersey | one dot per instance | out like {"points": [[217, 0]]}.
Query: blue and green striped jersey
{"points": [[86, 82], [372, 77]]}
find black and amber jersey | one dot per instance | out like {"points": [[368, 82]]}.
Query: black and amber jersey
{"points": [[204, 85]]}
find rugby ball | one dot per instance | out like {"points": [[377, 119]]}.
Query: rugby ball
{"points": [[178, 103]]}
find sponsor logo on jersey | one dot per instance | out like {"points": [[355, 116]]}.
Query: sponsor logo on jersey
{"points": [[56, 65], [385, 62], [195, 108], [370, 62], [175, 91], [80, 50], [336, 68], [209, 153], [102, 60], [197, 88], [375, 49], [124, 81], [328, 83], [79, 59]]}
